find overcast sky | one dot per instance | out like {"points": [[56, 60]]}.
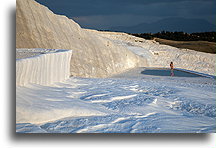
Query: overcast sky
{"points": [[103, 14]]}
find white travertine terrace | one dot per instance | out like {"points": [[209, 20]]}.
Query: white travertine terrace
{"points": [[93, 55], [43, 69], [159, 55]]}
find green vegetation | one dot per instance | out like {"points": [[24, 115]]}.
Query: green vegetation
{"points": [[179, 36], [203, 42]]}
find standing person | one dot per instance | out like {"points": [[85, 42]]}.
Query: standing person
{"points": [[172, 69]]}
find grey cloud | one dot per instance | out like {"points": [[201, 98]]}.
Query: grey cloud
{"points": [[104, 13], [109, 7]]}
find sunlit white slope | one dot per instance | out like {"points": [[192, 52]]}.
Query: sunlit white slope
{"points": [[93, 55], [158, 55]]}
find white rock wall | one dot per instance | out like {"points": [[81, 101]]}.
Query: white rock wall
{"points": [[43, 69], [93, 55]]}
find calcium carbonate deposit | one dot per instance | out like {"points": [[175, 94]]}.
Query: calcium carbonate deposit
{"points": [[98, 85], [158, 55], [93, 55], [42, 66]]}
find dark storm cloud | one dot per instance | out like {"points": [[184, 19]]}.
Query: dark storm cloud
{"points": [[103, 14], [110, 7]]}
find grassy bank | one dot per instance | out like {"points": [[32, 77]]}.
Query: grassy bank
{"points": [[203, 46]]}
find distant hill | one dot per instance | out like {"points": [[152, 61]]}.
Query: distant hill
{"points": [[169, 24]]}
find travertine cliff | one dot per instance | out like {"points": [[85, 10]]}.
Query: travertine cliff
{"points": [[43, 69], [93, 55]]}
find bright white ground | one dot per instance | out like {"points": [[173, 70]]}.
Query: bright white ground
{"points": [[127, 103]]}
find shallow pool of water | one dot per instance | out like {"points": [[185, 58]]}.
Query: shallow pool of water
{"points": [[167, 72]]}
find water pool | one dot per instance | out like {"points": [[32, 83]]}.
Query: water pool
{"points": [[167, 72]]}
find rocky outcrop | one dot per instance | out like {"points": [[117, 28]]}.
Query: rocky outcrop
{"points": [[93, 55]]}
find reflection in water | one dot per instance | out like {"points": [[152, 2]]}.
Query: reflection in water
{"points": [[167, 72], [172, 72]]}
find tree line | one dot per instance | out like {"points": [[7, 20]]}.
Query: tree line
{"points": [[179, 36]]}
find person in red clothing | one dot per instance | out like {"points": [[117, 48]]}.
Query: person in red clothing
{"points": [[172, 69]]}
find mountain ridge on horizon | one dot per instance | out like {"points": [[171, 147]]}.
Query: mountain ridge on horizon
{"points": [[169, 24]]}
